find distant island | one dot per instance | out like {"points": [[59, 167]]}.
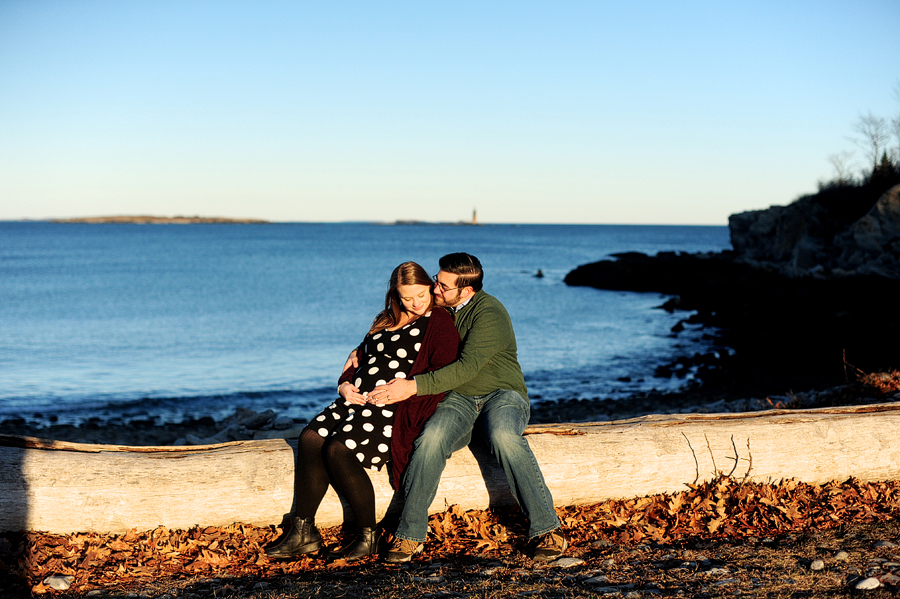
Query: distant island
{"points": [[161, 220], [474, 221]]}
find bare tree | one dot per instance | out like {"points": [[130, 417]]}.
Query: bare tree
{"points": [[874, 136], [841, 164], [895, 124]]}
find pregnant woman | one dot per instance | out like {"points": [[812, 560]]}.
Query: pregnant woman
{"points": [[410, 336]]}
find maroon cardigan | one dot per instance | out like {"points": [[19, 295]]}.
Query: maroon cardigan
{"points": [[439, 348]]}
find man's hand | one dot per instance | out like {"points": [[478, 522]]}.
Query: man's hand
{"points": [[395, 391], [351, 394], [352, 360]]}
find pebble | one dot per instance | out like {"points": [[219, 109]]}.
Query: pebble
{"points": [[868, 584], [817, 565], [718, 571], [597, 580], [566, 562], [59, 582], [94, 593], [882, 544], [842, 556], [609, 562]]}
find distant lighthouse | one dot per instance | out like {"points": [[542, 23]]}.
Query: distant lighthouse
{"points": [[474, 216]]}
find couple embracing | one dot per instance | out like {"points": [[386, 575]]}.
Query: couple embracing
{"points": [[438, 365]]}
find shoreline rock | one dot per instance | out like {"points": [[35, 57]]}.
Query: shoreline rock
{"points": [[247, 424], [808, 294]]}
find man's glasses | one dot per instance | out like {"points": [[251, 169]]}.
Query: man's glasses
{"points": [[443, 287]]}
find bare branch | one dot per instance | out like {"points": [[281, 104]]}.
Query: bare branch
{"points": [[750, 454], [696, 462], [712, 457], [842, 166], [874, 136], [736, 457]]}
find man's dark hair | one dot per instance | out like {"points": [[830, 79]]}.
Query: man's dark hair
{"points": [[466, 267]]}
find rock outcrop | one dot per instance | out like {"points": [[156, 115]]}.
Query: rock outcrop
{"points": [[828, 234], [872, 244], [808, 290]]}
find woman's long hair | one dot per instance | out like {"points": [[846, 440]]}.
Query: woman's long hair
{"points": [[408, 273]]}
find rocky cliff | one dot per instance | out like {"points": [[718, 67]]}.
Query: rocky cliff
{"points": [[822, 235], [808, 295]]}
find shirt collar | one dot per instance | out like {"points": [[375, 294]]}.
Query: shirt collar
{"points": [[459, 307]]}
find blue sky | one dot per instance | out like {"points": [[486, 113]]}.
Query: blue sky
{"points": [[529, 112]]}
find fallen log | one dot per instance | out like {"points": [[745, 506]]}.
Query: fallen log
{"points": [[61, 487]]}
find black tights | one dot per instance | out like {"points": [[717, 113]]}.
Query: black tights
{"points": [[321, 462]]}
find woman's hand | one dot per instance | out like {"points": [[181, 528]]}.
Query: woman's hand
{"points": [[396, 390], [352, 361], [351, 394]]}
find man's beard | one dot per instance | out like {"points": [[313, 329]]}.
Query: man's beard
{"points": [[443, 303]]}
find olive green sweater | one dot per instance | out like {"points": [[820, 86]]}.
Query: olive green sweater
{"points": [[487, 360]]}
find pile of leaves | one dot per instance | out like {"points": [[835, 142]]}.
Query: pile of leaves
{"points": [[724, 508], [882, 383]]}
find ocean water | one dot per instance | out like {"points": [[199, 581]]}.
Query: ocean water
{"points": [[173, 321]]}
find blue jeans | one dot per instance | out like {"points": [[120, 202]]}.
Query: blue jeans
{"points": [[499, 418]]}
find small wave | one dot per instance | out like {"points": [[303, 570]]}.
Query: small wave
{"points": [[298, 404]]}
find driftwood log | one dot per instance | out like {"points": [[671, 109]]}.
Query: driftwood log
{"points": [[62, 487]]}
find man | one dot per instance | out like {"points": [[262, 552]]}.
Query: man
{"points": [[487, 394]]}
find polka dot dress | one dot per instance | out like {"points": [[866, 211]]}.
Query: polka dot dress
{"points": [[366, 430]]}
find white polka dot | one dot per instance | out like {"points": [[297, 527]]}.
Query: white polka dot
{"points": [[387, 414], [380, 347], [350, 443], [357, 382], [332, 406], [376, 459], [335, 415], [347, 428], [387, 431], [323, 432], [372, 359], [377, 336], [350, 417], [360, 457], [401, 353], [366, 442], [393, 364], [395, 337], [400, 375], [415, 333], [382, 448], [380, 382], [366, 413], [373, 370], [368, 427], [321, 417], [418, 345]]}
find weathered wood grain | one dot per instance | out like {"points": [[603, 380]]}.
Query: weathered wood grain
{"points": [[67, 487]]}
